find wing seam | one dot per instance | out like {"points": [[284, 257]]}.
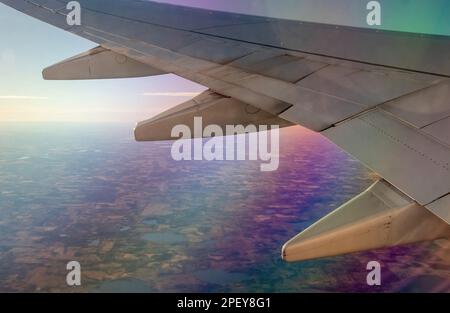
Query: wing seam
{"points": [[400, 141]]}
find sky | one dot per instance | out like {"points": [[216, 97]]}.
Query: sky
{"points": [[27, 46]]}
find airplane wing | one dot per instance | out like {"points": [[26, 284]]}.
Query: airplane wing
{"points": [[381, 96]]}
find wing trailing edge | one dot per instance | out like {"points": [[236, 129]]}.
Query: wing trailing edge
{"points": [[214, 109], [98, 63], [379, 217]]}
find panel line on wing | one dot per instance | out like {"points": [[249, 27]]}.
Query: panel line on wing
{"points": [[402, 142]]}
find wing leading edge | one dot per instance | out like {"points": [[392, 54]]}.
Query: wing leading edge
{"points": [[391, 111]]}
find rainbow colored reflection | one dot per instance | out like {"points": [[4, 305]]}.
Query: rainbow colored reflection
{"points": [[417, 16]]}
